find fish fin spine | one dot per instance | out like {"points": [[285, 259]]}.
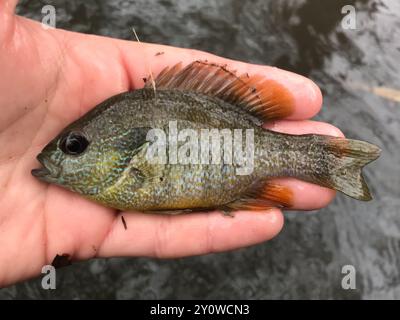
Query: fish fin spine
{"points": [[264, 98]]}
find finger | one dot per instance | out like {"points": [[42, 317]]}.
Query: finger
{"points": [[192, 234], [304, 127], [306, 196], [8, 6], [140, 58]]}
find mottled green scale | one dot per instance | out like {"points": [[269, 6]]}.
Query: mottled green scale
{"points": [[182, 186]]}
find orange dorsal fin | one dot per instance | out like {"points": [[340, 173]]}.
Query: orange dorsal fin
{"points": [[263, 196], [264, 98]]}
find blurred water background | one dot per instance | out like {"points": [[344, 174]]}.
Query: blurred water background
{"points": [[359, 73]]}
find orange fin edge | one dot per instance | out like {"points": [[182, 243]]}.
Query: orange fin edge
{"points": [[264, 98], [264, 196]]}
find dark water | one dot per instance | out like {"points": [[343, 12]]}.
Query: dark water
{"points": [[306, 259]]}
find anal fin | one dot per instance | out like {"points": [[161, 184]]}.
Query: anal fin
{"points": [[263, 195]]}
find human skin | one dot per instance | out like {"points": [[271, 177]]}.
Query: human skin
{"points": [[51, 77]]}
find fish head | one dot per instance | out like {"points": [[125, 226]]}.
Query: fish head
{"points": [[86, 157]]}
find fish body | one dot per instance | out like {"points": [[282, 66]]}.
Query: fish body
{"points": [[105, 154]]}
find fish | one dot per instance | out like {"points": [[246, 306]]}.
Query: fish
{"points": [[151, 149]]}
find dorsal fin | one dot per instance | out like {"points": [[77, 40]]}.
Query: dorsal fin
{"points": [[263, 98]]}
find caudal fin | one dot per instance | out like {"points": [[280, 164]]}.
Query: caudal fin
{"points": [[346, 175]]}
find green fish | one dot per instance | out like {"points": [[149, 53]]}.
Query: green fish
{"points": [[192, 139]]}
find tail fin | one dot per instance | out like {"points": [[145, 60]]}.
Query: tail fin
{"points": [[352, 156]]}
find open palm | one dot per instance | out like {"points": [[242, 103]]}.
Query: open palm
{"points": [[50, 78]]}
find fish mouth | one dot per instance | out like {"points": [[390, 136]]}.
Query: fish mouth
{"points": [[49, 172]]}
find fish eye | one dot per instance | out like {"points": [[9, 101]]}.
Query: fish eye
{"points": [[73, 143]]}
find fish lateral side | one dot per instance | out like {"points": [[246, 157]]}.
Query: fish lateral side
{"points": [[113, 169]]}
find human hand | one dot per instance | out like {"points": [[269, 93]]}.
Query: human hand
{"points": [[48, 79]]}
